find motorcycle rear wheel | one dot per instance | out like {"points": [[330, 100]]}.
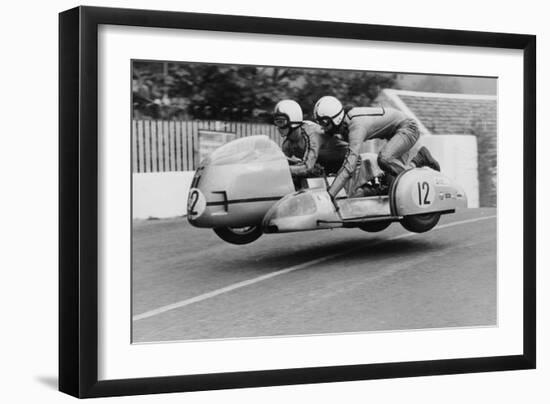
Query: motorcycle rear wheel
{"points": [[420, 223]]}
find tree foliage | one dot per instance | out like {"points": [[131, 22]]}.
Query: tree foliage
{"points": [[170, 90]]}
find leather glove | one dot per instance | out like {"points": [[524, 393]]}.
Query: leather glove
{"points": [[317, 171]]}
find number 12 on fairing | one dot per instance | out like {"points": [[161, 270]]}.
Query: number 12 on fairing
{"points": [[423, 193]]}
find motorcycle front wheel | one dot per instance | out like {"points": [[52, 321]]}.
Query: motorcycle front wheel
{"points": [[239, 235], [374, 227]]}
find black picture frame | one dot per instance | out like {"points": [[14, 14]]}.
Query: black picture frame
{"points": [[78, 206]]}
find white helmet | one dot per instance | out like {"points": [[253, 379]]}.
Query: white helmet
{"points": [[288, 114], [328, 109]]}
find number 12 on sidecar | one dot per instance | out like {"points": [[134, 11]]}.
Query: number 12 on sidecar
{"points": [[244, 189]]}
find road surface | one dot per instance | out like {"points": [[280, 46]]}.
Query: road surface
{"points": [[187, 284]]}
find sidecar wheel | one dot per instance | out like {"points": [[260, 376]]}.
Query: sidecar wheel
{"points": [[374, 227], [239, 235], [420, 223]]}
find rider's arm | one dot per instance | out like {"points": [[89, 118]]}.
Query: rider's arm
{"points": [[356, 138], [313, 144]]}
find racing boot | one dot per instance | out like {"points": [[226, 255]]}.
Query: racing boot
{"points": [[425, 159]]}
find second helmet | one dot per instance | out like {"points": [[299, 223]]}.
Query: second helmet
{"points": [[328, 107]]}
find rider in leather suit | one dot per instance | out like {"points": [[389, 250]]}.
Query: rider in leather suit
{"points": [[309, 149], [365, 123]]}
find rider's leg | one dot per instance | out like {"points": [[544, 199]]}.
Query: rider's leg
{"points": [[392, 157]]}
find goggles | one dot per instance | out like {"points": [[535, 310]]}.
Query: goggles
{"points": [[326, 121], [282, 121]]}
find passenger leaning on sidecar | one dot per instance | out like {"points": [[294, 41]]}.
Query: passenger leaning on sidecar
{"points": [[310, 151], [365, 123]]}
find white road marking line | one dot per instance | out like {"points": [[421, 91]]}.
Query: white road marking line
{"points": [[306, 264]]}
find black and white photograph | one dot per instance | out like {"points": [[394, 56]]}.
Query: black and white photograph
{"points": [[292, 202], [277, 201]]}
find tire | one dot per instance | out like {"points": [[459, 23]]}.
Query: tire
{"points": [[420, 223], [373, 227], [240, 235]]}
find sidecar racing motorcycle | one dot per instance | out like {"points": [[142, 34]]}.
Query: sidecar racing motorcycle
{"points": [[244, 189]]}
